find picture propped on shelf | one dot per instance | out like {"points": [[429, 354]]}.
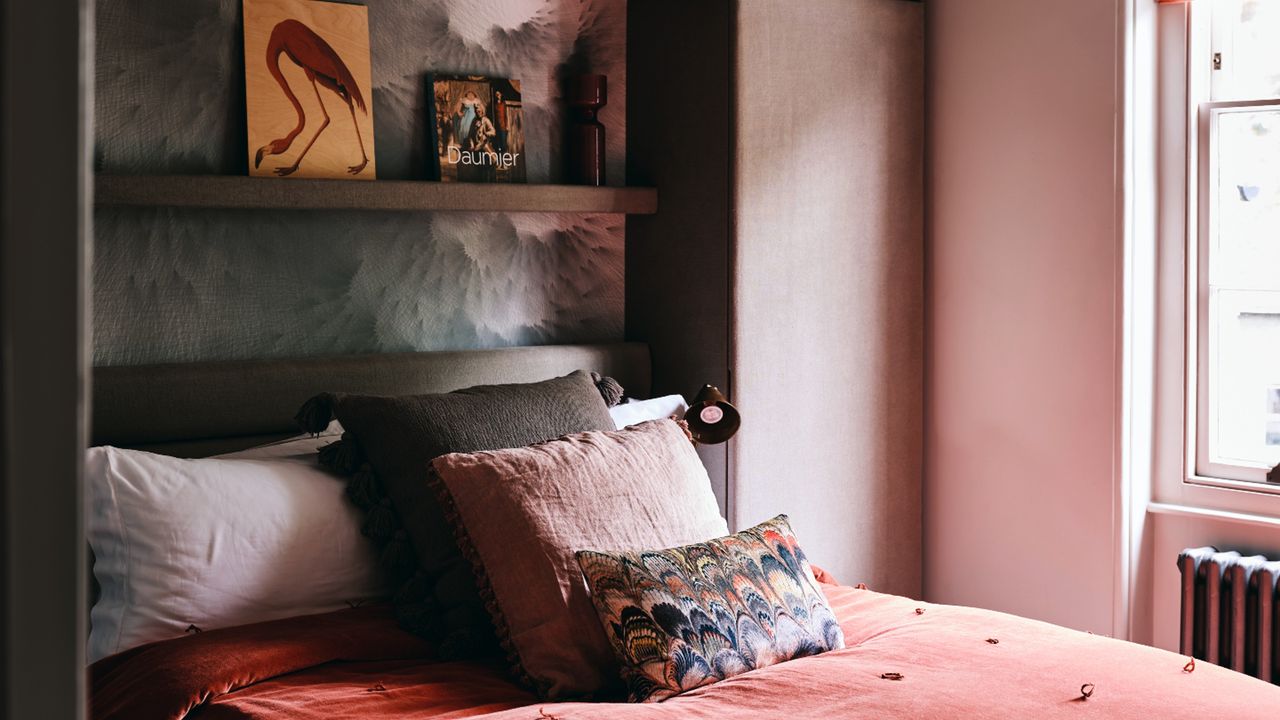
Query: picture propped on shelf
{"points": [[308, 91], [479, 128]]}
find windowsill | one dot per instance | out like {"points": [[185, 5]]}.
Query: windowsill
{"points": [[1265, 521], [1218, 497]]}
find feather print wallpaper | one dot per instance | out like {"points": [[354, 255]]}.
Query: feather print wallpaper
{"points": [[186, 285]]}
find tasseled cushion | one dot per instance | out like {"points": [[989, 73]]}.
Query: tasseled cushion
{"points": [[386, 448]]}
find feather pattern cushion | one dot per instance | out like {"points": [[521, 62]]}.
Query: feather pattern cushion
{"points": [[693, 615]]}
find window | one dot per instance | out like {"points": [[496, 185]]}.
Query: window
{"points": [[1236, 270]]}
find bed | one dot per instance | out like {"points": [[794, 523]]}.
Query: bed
{"points": [[902, 658]]}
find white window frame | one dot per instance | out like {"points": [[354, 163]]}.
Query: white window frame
{"points": [[1182, 71]]}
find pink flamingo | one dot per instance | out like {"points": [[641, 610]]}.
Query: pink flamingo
{"points": [[321, 64]]}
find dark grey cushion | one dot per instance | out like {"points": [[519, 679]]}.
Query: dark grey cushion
{"points": [[388, 444]]}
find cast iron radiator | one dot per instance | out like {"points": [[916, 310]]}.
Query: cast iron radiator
{"points": [[1231, 610]]}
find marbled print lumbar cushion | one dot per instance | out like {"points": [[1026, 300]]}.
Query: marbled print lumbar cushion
{"points": [[692, 615]]}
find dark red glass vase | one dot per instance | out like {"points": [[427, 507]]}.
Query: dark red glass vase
{"points": [[586, 94]]}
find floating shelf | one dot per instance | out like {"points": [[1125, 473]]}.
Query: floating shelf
{"points": [[226, 191]]}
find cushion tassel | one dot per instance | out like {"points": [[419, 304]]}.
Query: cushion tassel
{"points": [[342, 456], [364, 491], [414, 590], [609, 388], [418, 618], [398, 557], [380, 523], [416, 610], [316, 414]]}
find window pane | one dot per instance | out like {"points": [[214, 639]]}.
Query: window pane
{"points": [[1238, 288], [1246, 251], [1244, 385], [1246, 33]]}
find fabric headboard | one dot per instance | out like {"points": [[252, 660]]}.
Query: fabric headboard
{"points": [[200, 409]]}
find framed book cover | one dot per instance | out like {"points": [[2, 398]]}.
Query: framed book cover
{"points": [[478, 133]]}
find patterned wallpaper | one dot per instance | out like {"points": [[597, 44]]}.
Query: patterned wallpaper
{"points": [[185, 285]]}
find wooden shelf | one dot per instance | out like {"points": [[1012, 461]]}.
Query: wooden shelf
{"points": [[225, 191]]}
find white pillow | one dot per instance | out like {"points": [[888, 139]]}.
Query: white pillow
{"points": [[638, 411], [299, 446], [217, 542]]}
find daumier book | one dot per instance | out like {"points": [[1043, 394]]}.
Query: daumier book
{"points": [[478, 133]]}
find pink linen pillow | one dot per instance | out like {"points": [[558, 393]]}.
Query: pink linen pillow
{"points": [[521, 514]]}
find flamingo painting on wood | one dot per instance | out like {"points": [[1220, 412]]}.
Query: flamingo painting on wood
{"points": [[308, 89]]}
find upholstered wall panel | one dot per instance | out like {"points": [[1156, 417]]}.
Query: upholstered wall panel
{"points": [[175, 285], [678, 260], [827, 281]]}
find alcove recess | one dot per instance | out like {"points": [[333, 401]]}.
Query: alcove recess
{"points": [[678, 56]]}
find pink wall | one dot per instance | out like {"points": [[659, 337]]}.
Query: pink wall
{"points": [[1023, 260]]}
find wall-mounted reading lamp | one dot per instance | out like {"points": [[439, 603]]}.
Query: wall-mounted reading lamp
{"points": [[711, 418]]}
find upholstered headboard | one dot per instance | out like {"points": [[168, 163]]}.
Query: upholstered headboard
{"points": [[200, 409]]}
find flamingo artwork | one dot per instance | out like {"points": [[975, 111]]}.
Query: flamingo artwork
{"points": [[322, 66]]}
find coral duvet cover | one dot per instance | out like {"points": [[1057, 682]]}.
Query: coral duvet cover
{"points": [[950, 662]]}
